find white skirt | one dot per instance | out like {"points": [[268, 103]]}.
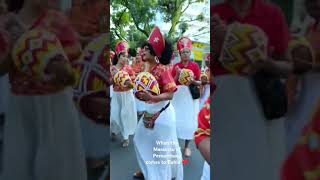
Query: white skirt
{"points": [[205, 172], [123, 114], [139, 105], [111, 91], [43, 139], [157, 150], [244, 143], [301, 112], [186, 110], [95, 138]]}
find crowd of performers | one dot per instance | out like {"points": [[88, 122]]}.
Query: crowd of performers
{"points": [[55, 67], [252, 139], [152, 99], [57, 71]]}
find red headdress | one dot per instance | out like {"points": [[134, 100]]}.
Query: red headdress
{"points": [[156, 40]]}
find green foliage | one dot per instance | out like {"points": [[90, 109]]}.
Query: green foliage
{"points": [[133, 20]]}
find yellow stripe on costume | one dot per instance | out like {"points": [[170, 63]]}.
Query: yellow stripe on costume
{"points": [[313, 174], [201, 131]]}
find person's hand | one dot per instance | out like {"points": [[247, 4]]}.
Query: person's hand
{"points": [[144, 95], [62, 71], [204, 80], [128, 83], [191, 81], [178, 71]]}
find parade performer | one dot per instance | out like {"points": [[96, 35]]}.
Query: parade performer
{"points": [[138, 66], [203, 133], [123, 117], [205, 79], [301, 109], [112, 53], [155, 141], [303, 161], [42, 131], [202, 137], [91, 95], [239, 128], [185, 104]]}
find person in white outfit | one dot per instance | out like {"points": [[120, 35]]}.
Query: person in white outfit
{"points": [[185, 105], [157, 128], [123, 117], [42, 136]]}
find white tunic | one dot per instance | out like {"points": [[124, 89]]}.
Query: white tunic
{"points": [[300, 113], [206, 172], [123, 114], [157, 150], [187, 110], [43, 138], [245, 145], [95, 138]]}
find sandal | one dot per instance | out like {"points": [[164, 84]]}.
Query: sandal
{"points": [[138, 175], [187, 152], [125, 143]]}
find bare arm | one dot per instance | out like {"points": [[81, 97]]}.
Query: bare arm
{"points": [[163, 97], [195, 82], [146, 96]]}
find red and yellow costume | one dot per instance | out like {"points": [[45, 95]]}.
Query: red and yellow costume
{"points": [[164, 128], [123, 116], [57, 24], [203, 130], [185, 106], [43, 119], [129, 70], [182, 43], [303, 162], [164, 78]]}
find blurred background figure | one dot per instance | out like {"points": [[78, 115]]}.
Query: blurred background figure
{"points": [[42, 137], [85, 17], [264, 138]]}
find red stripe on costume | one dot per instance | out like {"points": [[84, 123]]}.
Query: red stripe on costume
{"points": [[304, 161]]}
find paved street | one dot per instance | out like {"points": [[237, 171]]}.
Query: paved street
{"points": [[124, 163]]}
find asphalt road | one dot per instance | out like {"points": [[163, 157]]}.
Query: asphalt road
{"points": [[124, 163]]}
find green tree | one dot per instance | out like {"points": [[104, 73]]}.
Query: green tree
{"points": [[173, 10], [133, 20]]}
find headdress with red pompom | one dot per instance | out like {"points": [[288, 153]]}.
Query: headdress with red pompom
{"points": [[156, 40], [184, 43], [122, 47]]}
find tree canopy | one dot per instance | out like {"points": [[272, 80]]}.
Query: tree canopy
{"points": [[133, 20]]}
